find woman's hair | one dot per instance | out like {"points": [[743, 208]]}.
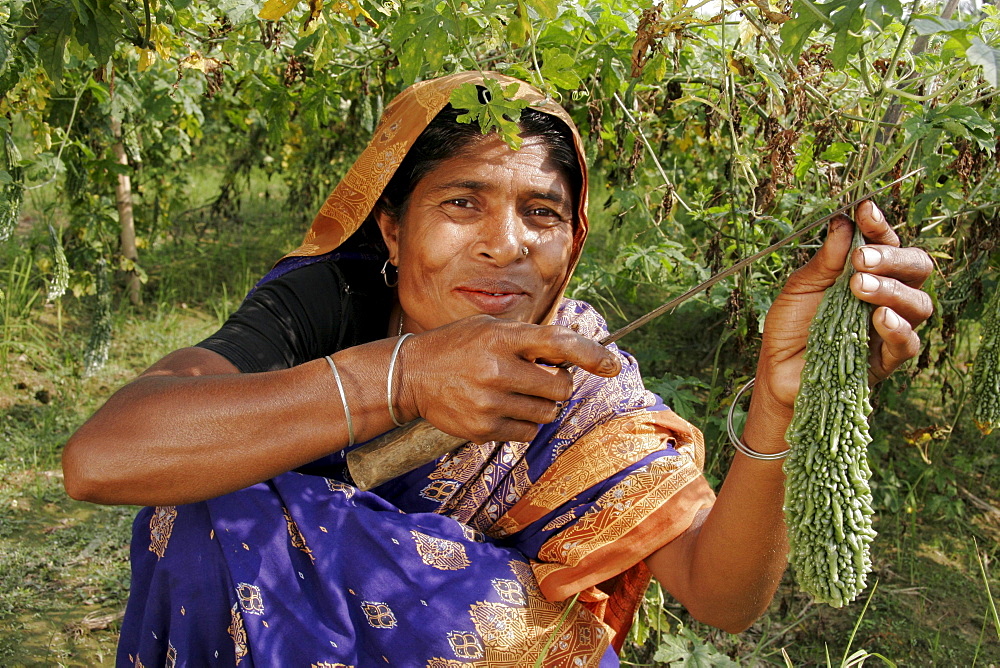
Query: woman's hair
{"points": [[445, 137]]}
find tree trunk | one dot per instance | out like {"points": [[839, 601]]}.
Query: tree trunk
{"points": [[123, 198], [895, 111]]}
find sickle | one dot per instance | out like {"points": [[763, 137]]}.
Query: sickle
{"points": [[418, 442]]}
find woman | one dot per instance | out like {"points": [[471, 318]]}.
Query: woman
{"points": [[536, 539]]}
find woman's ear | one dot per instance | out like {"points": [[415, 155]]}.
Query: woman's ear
{"points": [[388, 224]]}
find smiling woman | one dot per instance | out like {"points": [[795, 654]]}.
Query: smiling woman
{"points": [[487, 230], [573, 487]]}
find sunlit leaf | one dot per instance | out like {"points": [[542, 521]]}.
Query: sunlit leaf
{"points": [[352, 9], [547, 9], [558, 69], [988, 58], [275, 9], [519, 27], [932, 25], [146, 58]]}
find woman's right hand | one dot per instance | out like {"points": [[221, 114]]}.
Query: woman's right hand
{"points": [[487, 379]]}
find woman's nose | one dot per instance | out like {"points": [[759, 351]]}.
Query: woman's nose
{"points": [[502, 237]]}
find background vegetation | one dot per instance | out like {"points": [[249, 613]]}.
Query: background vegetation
{"points": [[158, 156]]}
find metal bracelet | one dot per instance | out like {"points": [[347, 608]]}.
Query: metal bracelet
{"points": [[740, 445], [343, 400], [392, 368]]}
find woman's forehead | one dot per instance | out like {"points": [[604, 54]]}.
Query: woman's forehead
{"points": [[490, 164]]}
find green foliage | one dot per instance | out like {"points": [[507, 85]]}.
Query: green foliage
{"points": [[493, 109], [685, 648], [711, 133]]}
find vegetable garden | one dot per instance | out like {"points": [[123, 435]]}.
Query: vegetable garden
{"points": [[158, 155]]}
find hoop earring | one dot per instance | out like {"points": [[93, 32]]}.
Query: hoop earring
{"points": [[385, 276]]}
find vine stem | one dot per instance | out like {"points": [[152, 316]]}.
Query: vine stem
{"points": [[663, 174], [62, 144]]}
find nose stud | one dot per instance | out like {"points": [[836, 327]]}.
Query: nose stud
{"points": [[524, 251]]}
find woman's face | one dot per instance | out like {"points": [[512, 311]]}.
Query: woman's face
{"points": [[460, 245]]}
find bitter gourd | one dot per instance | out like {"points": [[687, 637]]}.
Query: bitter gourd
{"points": [[986, 369], [11, 192], [99, 346], [828, 503], [60, 273]]}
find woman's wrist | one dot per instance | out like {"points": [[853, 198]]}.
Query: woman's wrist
{"points": [[767, 420], [406, 381]]}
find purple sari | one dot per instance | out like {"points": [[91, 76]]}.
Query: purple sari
{"points": [[502, 554]]}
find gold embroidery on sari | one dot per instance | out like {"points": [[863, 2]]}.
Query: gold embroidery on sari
{"points": [[337, 486], [618, 511], [439, 553], [500, 624], [591, 460], [327, 664], [465, 645], [431, 98], [250, 598], [161, 526], [379, 614], [238, 633], [512, 633], [472, 534], [510, 591], [439, 491], [499, 482], [298, 540], [171, 659], [560, 521]]}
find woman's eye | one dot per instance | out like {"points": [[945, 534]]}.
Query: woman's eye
{"points": [[459, 202], [545, 214]]}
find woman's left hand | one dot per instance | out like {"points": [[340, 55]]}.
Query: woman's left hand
{"points": [[889, 277]]}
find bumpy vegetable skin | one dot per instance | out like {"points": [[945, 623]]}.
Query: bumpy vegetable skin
{"points": [[986, 369], [828, 503], [11, 192]]}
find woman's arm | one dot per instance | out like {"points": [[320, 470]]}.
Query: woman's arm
{"points": [[191, 427], [726, 567]]}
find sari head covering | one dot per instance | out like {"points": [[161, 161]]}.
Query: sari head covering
{"points": [[351, 202], [495, 555]]}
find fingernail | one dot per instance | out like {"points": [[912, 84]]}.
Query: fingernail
{"points": [[890, 319], [870, 256], [869, 283]]}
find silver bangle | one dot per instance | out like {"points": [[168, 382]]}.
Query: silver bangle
{"points": [[740, 445], [388, 386], [343, 400]]}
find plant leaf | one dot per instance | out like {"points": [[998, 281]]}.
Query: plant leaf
{"points": [[986, 56], [934, 24], [493, 109], [275, 9]]}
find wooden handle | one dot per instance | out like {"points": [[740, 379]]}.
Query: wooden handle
{"points": [[397, 452]]}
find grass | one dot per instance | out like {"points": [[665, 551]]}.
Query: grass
{"points": [[64, 564]]}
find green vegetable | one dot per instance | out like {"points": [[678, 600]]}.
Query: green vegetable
{"points": [[12, 190], [99, 346], [986, 369], [60, 275], [828, 503]]}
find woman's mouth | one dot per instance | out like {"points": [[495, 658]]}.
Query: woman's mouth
{"points": [[492, 297]]}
